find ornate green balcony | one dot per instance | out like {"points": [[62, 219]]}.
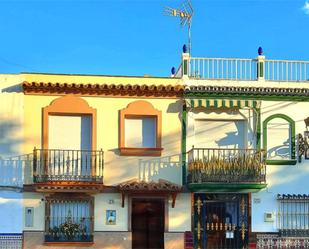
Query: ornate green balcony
{"points": [[226, 170]]}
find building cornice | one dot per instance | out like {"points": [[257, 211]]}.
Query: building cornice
{"points": [[267, 93], [108, 90]]}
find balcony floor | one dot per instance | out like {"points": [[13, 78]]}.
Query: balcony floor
{"points": [[226, 187]]}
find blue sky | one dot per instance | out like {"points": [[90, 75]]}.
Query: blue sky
{"points": [[134, 37]]}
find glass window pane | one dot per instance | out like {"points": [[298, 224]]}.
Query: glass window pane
{"points": [[140, 132]]}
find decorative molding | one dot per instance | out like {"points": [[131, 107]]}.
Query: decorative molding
{"points": [[267, 93], [72, 106], [140, 109], [292, 129], [162, 187], [141, 186], [112, 90], [303, 146], [77, 187]]}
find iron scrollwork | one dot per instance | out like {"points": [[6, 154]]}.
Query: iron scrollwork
{"points": [[303, 146]]}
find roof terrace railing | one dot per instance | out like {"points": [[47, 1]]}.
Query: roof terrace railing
{"points": [[223, 68], [284, 70], [248, 69]]}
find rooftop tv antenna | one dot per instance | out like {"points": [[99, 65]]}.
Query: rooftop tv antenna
{"points": [[185, 14]]}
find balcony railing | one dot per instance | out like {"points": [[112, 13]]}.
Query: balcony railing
{"points": [[214, 165], [248, 69], [67, 165], [223, 68]]}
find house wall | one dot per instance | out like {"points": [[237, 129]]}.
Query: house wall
{"points": [[281, 179], [229, 119], [37, 202], [116, 168]]}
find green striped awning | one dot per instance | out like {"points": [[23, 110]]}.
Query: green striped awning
{"points": [[223, 103]]}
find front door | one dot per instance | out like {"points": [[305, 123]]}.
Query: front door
{"points": [[147, 223], [223, 221]]}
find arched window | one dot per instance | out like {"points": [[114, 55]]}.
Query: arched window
{"points": [[279, 139], [140, 130]]}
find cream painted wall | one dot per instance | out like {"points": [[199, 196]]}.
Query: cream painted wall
{"points": [[180, 216], [37, 201], [110, 201], [116, 168]]}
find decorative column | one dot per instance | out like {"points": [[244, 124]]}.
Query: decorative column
{"points": [[197, 222], [260, 65], [185, 62]]}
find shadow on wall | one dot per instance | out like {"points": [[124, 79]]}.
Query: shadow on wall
{"points": [[280, 151], [13, 89], [11, 168], [159, 168], [123, 168], [9, 143], [16, 171]]}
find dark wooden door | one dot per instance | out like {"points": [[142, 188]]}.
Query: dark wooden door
{"points": [[147, 223]]}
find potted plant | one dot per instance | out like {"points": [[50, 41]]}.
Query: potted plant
{"points": [[69, 228]]}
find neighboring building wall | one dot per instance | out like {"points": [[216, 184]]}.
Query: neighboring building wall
{"points": [[222, 130], [11, 165], [281, 179], [11, 211], [11, 140]]}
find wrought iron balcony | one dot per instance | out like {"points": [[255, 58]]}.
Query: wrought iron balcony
{"points": [[226, 167], [67, 165], [69, 230]]}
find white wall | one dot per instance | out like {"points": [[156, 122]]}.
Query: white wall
{"points": [[225, 128], [281, 179], [10, 212]]}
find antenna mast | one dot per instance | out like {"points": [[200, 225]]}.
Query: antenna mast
{"points": [[185, 15]]}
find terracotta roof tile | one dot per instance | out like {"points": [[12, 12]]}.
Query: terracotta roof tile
{"points": [[102, 89]]}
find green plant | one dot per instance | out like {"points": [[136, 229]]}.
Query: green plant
{"points": [[69, 228], [236, 167], [54, 232]]}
